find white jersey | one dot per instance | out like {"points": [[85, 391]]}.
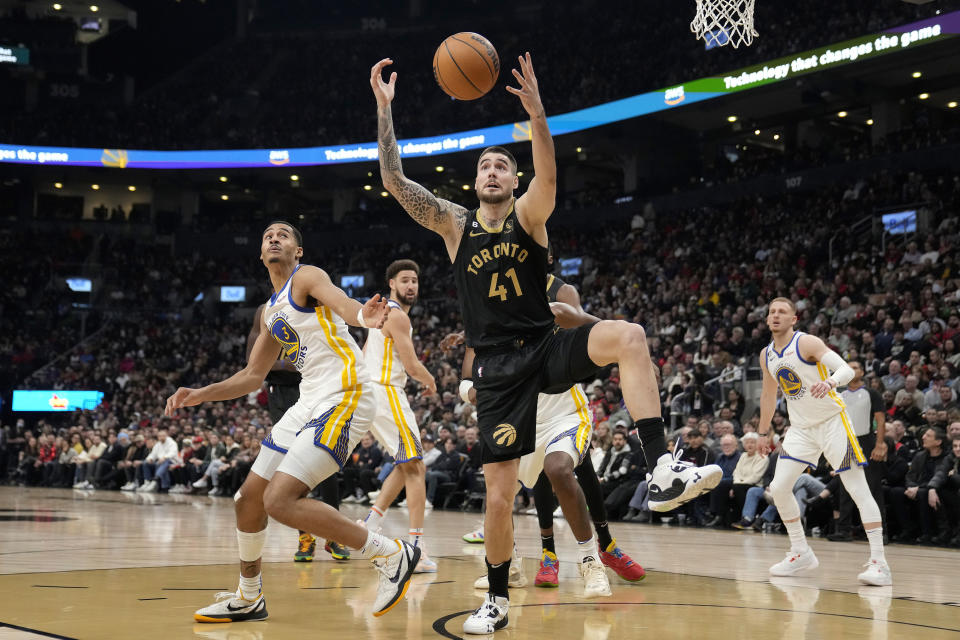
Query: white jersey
{"points": [[795, 376], [316, 341], [380, 353]]}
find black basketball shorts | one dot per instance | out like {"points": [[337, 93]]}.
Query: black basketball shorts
{"points": [[508, 378]]}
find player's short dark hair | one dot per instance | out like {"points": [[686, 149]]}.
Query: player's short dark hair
{"points": [[296, 232], [401, 265], [513, 161]]}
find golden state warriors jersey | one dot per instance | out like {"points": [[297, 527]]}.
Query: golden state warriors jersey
{"points": [[381, 356], [795, 376], [315, 340]]}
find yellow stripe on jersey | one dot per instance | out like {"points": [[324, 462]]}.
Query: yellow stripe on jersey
{"points": [[348, 379], [851, 437], [387, 367], [582, 439], [550, 280], [406, 438]]}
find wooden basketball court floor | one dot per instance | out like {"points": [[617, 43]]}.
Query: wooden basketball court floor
{"points": [[82, 564]]}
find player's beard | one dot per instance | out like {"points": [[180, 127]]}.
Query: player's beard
{"points": [[410, 299], [494, 198]]}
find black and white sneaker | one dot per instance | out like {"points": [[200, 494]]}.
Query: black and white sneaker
{"points": [[674, 481], [232, 607], [395, 571], [491, 616]]}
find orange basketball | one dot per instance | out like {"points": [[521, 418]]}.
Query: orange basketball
{"points": [[466, 66]]}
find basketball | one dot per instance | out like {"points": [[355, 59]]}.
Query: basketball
{"points": [[466, 66]]}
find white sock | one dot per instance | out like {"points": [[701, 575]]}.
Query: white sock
{"points": [[416, 537], [373, 519], [377, 545], [875, 538], [587, 549], [798, 541], [250, 588]]}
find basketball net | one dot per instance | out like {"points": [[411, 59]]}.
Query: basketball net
{"points": [[721, 22]]}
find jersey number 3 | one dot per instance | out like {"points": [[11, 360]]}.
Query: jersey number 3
{"points": [[501, 290]]}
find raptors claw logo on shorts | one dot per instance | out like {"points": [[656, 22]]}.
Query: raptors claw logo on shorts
{"points": [[504, 435]]}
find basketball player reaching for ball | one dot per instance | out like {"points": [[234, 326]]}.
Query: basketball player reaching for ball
{"points": [[283, 391], [560, 463], [800, 364], [499, 255], [304, 320], [391, 357]]}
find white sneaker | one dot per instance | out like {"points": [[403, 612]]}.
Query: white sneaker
{"points": [[491, 616], [130, 486], [515, 580], [150, 487], [395, 571], [674, 482], [557, 513], [176, 489], [373, 495], [230, 607], [795, 562], [350, 500], [403, 503], [426, 565], [595, 581], [79, 485], [474, 537], [877, 574], [427, 504], [213, 491], [201, 483]]}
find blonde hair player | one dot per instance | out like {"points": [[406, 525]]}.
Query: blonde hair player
{"points": [[799, 365], [303, 321], [390, 355]]}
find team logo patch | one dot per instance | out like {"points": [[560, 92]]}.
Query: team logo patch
{"points": [[288, 338], [789, 382], [505, 435]]}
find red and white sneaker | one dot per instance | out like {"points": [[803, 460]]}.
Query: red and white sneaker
{"points": [[622, 564], [547, 576]]}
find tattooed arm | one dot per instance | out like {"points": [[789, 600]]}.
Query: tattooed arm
{"points": [[439, 215]]}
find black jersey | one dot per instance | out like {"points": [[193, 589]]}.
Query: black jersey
{"points": [[501, 277], [553, 287], [285, 378]]}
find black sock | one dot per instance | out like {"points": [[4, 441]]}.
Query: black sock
{"points": [[547, 543], [603, 534], [498, 576], [653, 440]]}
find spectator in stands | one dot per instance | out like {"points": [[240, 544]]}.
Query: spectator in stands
{"points": [[615, 466], [894, 380], [132, 462], [721, 496], [106, 466], [361, 470], [156, 466], [910, 388], [913, 501], [430, 451], [749, 471], [446, 468]]}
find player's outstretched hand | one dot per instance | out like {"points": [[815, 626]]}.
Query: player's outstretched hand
{"points": [[382, 90], [529, 91], [451, 341], [375, 312], [430, 388], [184, 397], [821, 389]]}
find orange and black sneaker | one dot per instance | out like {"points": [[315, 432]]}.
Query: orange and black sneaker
{"points": [[308, 544], [337, 551]]}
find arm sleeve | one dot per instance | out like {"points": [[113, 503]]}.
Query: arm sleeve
{"points": [[842, 373]]}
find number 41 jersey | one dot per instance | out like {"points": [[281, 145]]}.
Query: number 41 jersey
{"points": [[501, 278]]}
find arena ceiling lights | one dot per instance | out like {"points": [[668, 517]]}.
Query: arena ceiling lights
{"points": [[866, 47]]}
